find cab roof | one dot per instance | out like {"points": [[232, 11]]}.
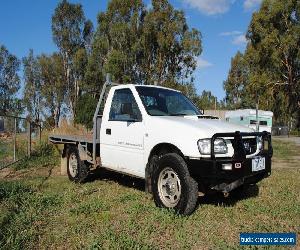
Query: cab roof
{"points": [[139, 85]]}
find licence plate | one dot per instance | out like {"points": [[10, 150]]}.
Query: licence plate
{"points": [[258, 164]]}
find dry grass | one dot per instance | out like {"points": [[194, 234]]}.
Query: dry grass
{"points": [[66, 128]]}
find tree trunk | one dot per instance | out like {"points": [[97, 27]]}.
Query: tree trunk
{"points": [[56, 116]]}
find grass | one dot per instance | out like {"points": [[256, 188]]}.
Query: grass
{"points": [[6, 151], [112, 212], [284, 150], [7, 148]]}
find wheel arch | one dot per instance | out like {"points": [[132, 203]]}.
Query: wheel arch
{"points": [[164, 148], [158, 150]]}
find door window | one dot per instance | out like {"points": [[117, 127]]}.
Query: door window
{"points": [[124, 107]]}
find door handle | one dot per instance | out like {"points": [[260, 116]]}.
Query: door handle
{"points": [[108, 131]]}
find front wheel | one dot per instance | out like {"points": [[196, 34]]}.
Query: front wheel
{"points": [[172, 186]]}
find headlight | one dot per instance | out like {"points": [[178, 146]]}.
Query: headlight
{"points": [[220, 146]]}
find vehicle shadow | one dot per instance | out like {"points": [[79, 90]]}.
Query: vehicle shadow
{"points": [[216, 199], [122, 179]]}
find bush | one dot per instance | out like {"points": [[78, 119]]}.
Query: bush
{"points": [[44, 149], [85, 110], [44, 155], [295, 132]]}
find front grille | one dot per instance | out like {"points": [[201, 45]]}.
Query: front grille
{"points": [[250, 145]]}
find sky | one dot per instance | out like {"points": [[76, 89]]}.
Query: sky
{"points": [[26, 25]]}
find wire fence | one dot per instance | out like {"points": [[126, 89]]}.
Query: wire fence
{"points": [[18, 138]]}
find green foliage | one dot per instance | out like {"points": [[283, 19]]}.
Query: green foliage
{"points": [[237, 84], [53, 85], [32, 99], [269, 71], [44, 155], [207, 100], [169, 46], [140, 46], [9, 81], [133, 44], [45, 87], [295, 132], [72, 34], [85, 110], [274, 34], [67, 27], [117, 43]]}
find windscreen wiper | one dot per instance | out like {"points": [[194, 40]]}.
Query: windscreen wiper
{"points": [[177, 114]]}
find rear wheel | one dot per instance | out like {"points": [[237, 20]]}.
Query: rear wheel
{"points": [[77, 170], [172, 186]]}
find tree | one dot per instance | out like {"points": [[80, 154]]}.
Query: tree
{"points": [[170, 47], [274, 52], [132, 44], [53, 86], [32, 92], [117, 41], [207, 100], [146, 47], [71, 33], [85, 110], [236, 85], [9, 81]]}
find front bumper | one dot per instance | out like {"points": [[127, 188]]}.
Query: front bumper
{"points": [[209, 174]]}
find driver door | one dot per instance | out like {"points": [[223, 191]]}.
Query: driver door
{"points": [[123, 135]]}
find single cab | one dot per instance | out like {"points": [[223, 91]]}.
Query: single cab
{"points": [[159, 135]]}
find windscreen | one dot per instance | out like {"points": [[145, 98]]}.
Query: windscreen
{"points": [[165, 102]]}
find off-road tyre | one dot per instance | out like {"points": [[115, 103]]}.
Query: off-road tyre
{"points": [[172, 185], [77, 170]]}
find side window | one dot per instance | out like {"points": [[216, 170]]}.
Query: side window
{"points": [[124, 107]]}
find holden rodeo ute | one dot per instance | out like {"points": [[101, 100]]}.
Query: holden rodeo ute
{"points": [[159, 135]]}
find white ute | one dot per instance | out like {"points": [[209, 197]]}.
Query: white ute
{"points": [[159, 135]]}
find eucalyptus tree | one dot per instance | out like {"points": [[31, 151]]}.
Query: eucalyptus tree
{"points": [[153, 46], [32, 98], [71, 33], [170, 46], [9, 81], [236, 85], [53, 88], [274, 53], [117, 43]]}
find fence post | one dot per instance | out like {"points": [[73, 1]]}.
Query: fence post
{"points": [[15, 138], [40, 132], [29, 138]]}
